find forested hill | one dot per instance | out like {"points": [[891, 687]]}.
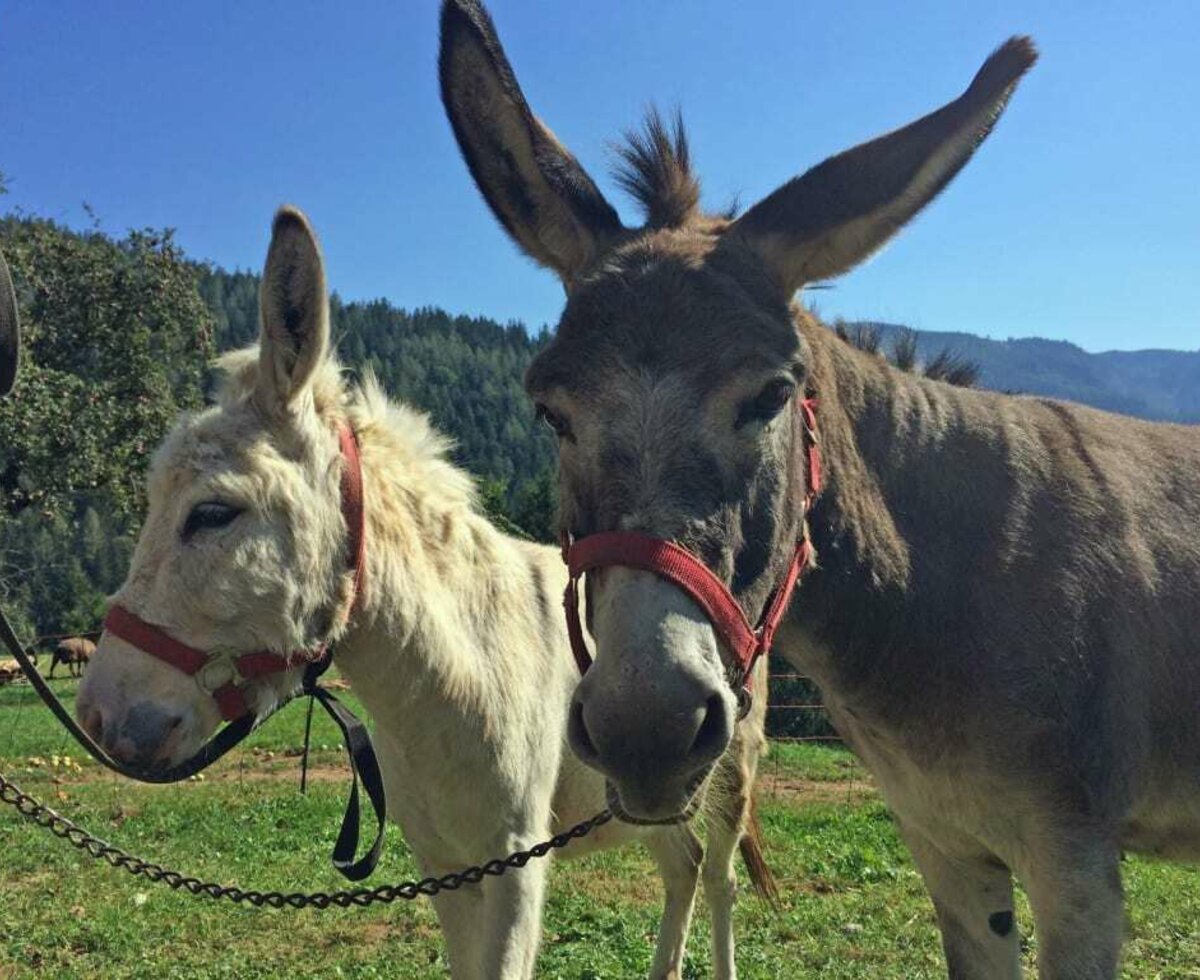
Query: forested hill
{"points": [[465, 371], [1152, 384]]}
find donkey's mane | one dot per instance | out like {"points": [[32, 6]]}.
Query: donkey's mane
{"points": [[413, 451], [654, 167]]}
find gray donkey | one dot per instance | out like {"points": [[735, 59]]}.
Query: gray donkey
{"points": [[1002, 611]]}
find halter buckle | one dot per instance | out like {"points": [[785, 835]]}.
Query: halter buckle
{"points": [[220, 671]]}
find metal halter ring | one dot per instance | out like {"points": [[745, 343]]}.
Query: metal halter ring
{"points": [[745, 701]]}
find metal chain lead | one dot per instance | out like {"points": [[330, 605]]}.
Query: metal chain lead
{"points": [[100, 850]]}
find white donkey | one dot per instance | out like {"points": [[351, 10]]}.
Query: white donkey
{"points": [[456, 645]]}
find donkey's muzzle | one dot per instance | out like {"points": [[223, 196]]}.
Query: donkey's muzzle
{"points": [[145, 736], [656, 759]]}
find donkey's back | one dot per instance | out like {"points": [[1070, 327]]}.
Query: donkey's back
{"points": [[1130, 493]]}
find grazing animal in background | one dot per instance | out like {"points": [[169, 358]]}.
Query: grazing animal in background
{"points": [[74, 652], [1002, 610], [10, 670], [455, 646]]}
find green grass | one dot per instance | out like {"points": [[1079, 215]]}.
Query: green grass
{"points": [[853, 905]]}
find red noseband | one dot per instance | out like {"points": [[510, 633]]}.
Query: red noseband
{"points": [[221, 675], [680, 567]]}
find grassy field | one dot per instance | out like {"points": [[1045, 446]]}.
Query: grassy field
{"points": [[853, 905]]}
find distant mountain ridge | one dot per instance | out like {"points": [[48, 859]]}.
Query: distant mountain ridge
{"points": [[1153, 384]]}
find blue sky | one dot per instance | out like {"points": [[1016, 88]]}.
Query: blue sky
{"points": [[1079, 219]]}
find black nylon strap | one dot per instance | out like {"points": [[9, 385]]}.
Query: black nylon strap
{"points": [[365, 766]]}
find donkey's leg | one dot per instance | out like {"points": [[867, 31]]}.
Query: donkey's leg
{"points": [[720, 888], [973, 898], [459, 914], [730, 816], [512, 926], [1074, 889], [678, 852]]}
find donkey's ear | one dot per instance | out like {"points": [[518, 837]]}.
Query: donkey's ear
{"points": [[826, 221], [537, 189], [295, 310], [10, 331]]}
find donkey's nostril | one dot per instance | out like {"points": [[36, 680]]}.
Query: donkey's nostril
{"points": [[577, 734], [714, 732]]}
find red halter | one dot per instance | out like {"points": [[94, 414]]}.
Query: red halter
{"points": [[219, 674], [680, 567]]}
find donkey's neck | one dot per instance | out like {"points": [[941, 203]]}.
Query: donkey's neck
{"points": [[445, 593], [894, 510]]}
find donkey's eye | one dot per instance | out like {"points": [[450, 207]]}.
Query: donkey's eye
{"points": [[766, 404], [207, 516], [561, 427]]}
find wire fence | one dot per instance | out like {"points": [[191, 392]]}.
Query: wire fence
{"points": [[797, 716], [795, 712], [48, 641]]}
